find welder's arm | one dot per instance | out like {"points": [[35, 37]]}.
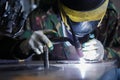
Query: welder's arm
{"points": [[93, 50], [10, 48], [36, 42]]}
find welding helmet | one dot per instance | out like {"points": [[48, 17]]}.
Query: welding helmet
{"points": [[83, 15]]}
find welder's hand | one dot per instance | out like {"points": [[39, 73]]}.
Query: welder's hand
{"points": [[93, 50], [37, 41]]}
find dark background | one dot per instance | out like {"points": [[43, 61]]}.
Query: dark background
{"points": [[117, 4]]}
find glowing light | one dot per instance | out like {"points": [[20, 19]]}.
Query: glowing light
{"points": [[83, 69]]}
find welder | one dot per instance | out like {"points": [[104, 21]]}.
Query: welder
{"points": [[66, 27], [74, 20]]}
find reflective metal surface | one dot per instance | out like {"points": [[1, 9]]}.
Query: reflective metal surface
{"points": [[58, 70]]}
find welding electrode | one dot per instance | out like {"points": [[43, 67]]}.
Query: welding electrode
{"points": [[46, 58]]}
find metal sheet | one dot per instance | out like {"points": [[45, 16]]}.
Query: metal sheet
{"points": [[59, 70]]}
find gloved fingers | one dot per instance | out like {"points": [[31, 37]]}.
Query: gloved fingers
{"points": [[46, 40], [41, 48], [93, 50], [42, 37], [90, 52], [91, 47], [38, 45], [37, 51], [91, 55], [34, 45], [90, 42]]}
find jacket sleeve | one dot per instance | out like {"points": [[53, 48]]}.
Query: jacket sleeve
{"points": [[9, 48]]}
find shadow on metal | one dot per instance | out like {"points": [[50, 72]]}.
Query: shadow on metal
{"points": [[28, 67]]}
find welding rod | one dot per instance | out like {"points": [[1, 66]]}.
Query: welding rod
{"points": [[46, 58]]}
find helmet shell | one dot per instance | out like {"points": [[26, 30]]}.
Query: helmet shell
{"points": [[82, 5]]}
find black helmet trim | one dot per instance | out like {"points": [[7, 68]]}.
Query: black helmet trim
{"points": [[82, 5]]}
